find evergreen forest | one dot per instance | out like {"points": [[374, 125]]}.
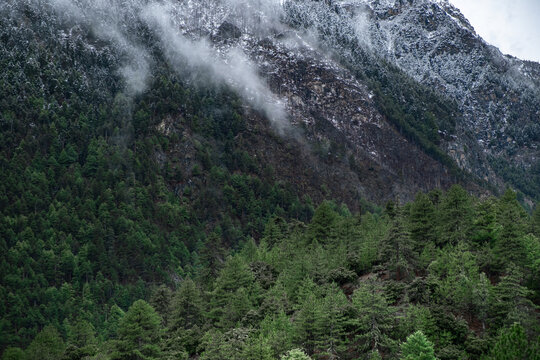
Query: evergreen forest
{"points": [[139, 226]]}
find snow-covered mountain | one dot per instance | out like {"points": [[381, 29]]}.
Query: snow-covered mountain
{"points": [[499, 95], [396, 96]]}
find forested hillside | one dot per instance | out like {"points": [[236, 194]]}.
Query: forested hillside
{"points": [[459, 273], [151, 209]]}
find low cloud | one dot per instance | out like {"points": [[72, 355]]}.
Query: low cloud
{"points": [[104, 17], [190, 55], [232, 67]]}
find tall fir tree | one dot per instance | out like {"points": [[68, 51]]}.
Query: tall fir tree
{"points": [[139, 333], [512, 218], [47, 345], [278, 329], [422, 221], [161, 302], [455, 216], [308, 322], [374, 319], [485, 228], [82, 341], [535, 221], [417, 347], [235, 275], [187, 306], [512, 344], [322, 226], [397, 249], [513, 304], [332, 323]]}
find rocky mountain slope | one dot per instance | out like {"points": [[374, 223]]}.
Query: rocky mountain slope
{"points": [[498, 95], [384, 98]]}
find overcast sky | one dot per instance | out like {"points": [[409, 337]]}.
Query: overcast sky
{"points": [[511, 25]]}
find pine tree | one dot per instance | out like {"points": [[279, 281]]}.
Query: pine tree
{"points": [[512, 301], [12, 353], [229, 345], [82, 341], [236, 309], [512, 344], [322, 225], [187, 306], [308, 322], [47, 345], [257, 348], [274, 231], [535, 222], [422, 221], [532, 248], [213, 256], [397, 249], [512, 217], [279, 332], [295, 354], [374, 319], [456, 274], [482, 299], [111, 324], [139, 333], [234, 276], [161, 302], [485, 229], [417, 347], [331, 325], [455, 216]]}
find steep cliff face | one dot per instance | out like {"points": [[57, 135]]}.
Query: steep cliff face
{"points": [[498, 95], [343, 133], [341, 120]]}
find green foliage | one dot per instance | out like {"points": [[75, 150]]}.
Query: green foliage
{"points": [[332, 294], [512, 217], [397, 249], [233, 293], [374, 319], [139, 332], [258, 349], [422, 221], [82, 340], [535, 222], [109, 200], [295, 354], [47, 345], [512, 344], [514, 304], [323, 222], [417, 347], [278, 330], [13, 354], [455, 216], [161, 302], [228, 345]]}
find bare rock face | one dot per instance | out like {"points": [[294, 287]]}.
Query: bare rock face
{"points": [[339, 114], [497, 133], [498, 95]]}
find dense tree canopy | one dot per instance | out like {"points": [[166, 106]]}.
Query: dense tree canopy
{"points": [[299, 292]]}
